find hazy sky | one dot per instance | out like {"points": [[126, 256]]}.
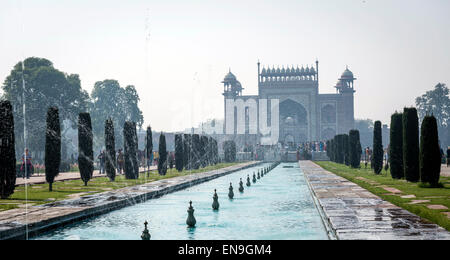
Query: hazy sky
{"points": [[176, 53]]}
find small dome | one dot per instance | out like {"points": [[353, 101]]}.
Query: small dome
{"points": [[312, 70], [229, 77], [347, 74]]}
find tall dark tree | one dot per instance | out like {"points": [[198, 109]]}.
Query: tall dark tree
{"points": [[396, 146], [229, 148], [195, 154], [149, 148], [187, 151], [7, 150], [430, 156], [130, 152], [346, 149], [203, 151], [162, 163], [340, 153], [179, 152], [136, 154], [377, 148], [85, 147], [410, 125], [52, 146], [355, 149], [110, 162]]}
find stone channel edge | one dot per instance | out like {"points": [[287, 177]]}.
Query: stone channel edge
{"points": [[139, 193]]}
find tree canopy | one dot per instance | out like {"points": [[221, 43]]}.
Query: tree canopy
{"points": [[45, 86], [109, 100]]}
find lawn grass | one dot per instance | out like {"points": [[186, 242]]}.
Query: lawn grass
{"points": [[38, 194], [436, 196]]}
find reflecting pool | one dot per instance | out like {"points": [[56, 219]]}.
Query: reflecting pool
{"points": [[277, 206]]}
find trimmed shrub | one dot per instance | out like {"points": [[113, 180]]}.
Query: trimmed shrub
{"points": [[110, 154], [346, 149], [179, 152], [149, 148], [130, 152], [355, 149], [229, 148], [377, 148], [396, 146], [187, 151], [7, 150], [410, 123], [203, 151], [85, 150], [162, 163], [430, 154], [195, 154], [339, 149], [52, 146]]}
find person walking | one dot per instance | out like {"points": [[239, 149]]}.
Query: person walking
{"points": [[101, 159], [120, 161], [27, 165]]}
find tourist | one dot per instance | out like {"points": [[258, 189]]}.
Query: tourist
{"points": [[101, 159], [27, 165], [120, 161], [448, 156]]}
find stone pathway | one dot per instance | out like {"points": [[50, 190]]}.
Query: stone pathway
{"points": [[64, 176], [355, 213], [445, 171], [39, 218]]}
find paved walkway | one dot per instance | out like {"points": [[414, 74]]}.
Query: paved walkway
{"points": [[64, 176], [445, 171], [355, 213]]}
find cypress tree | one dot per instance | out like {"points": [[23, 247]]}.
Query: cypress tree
{"points": [[149, 148], [355, 149], [328, 149], [179, 152], [377, 148], [410, 123], [7, 150], [85, 151], [162, 163], [346, 149], [396, 146], [229, 148], [136, 149], [215, 152], [130, 153], [430, 155], [110, 154], [204, 151], [340, 148], [195, 155], [52, 146], [186, 151]]}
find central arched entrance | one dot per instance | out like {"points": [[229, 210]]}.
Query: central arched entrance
{"points": [[293, 123]]}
